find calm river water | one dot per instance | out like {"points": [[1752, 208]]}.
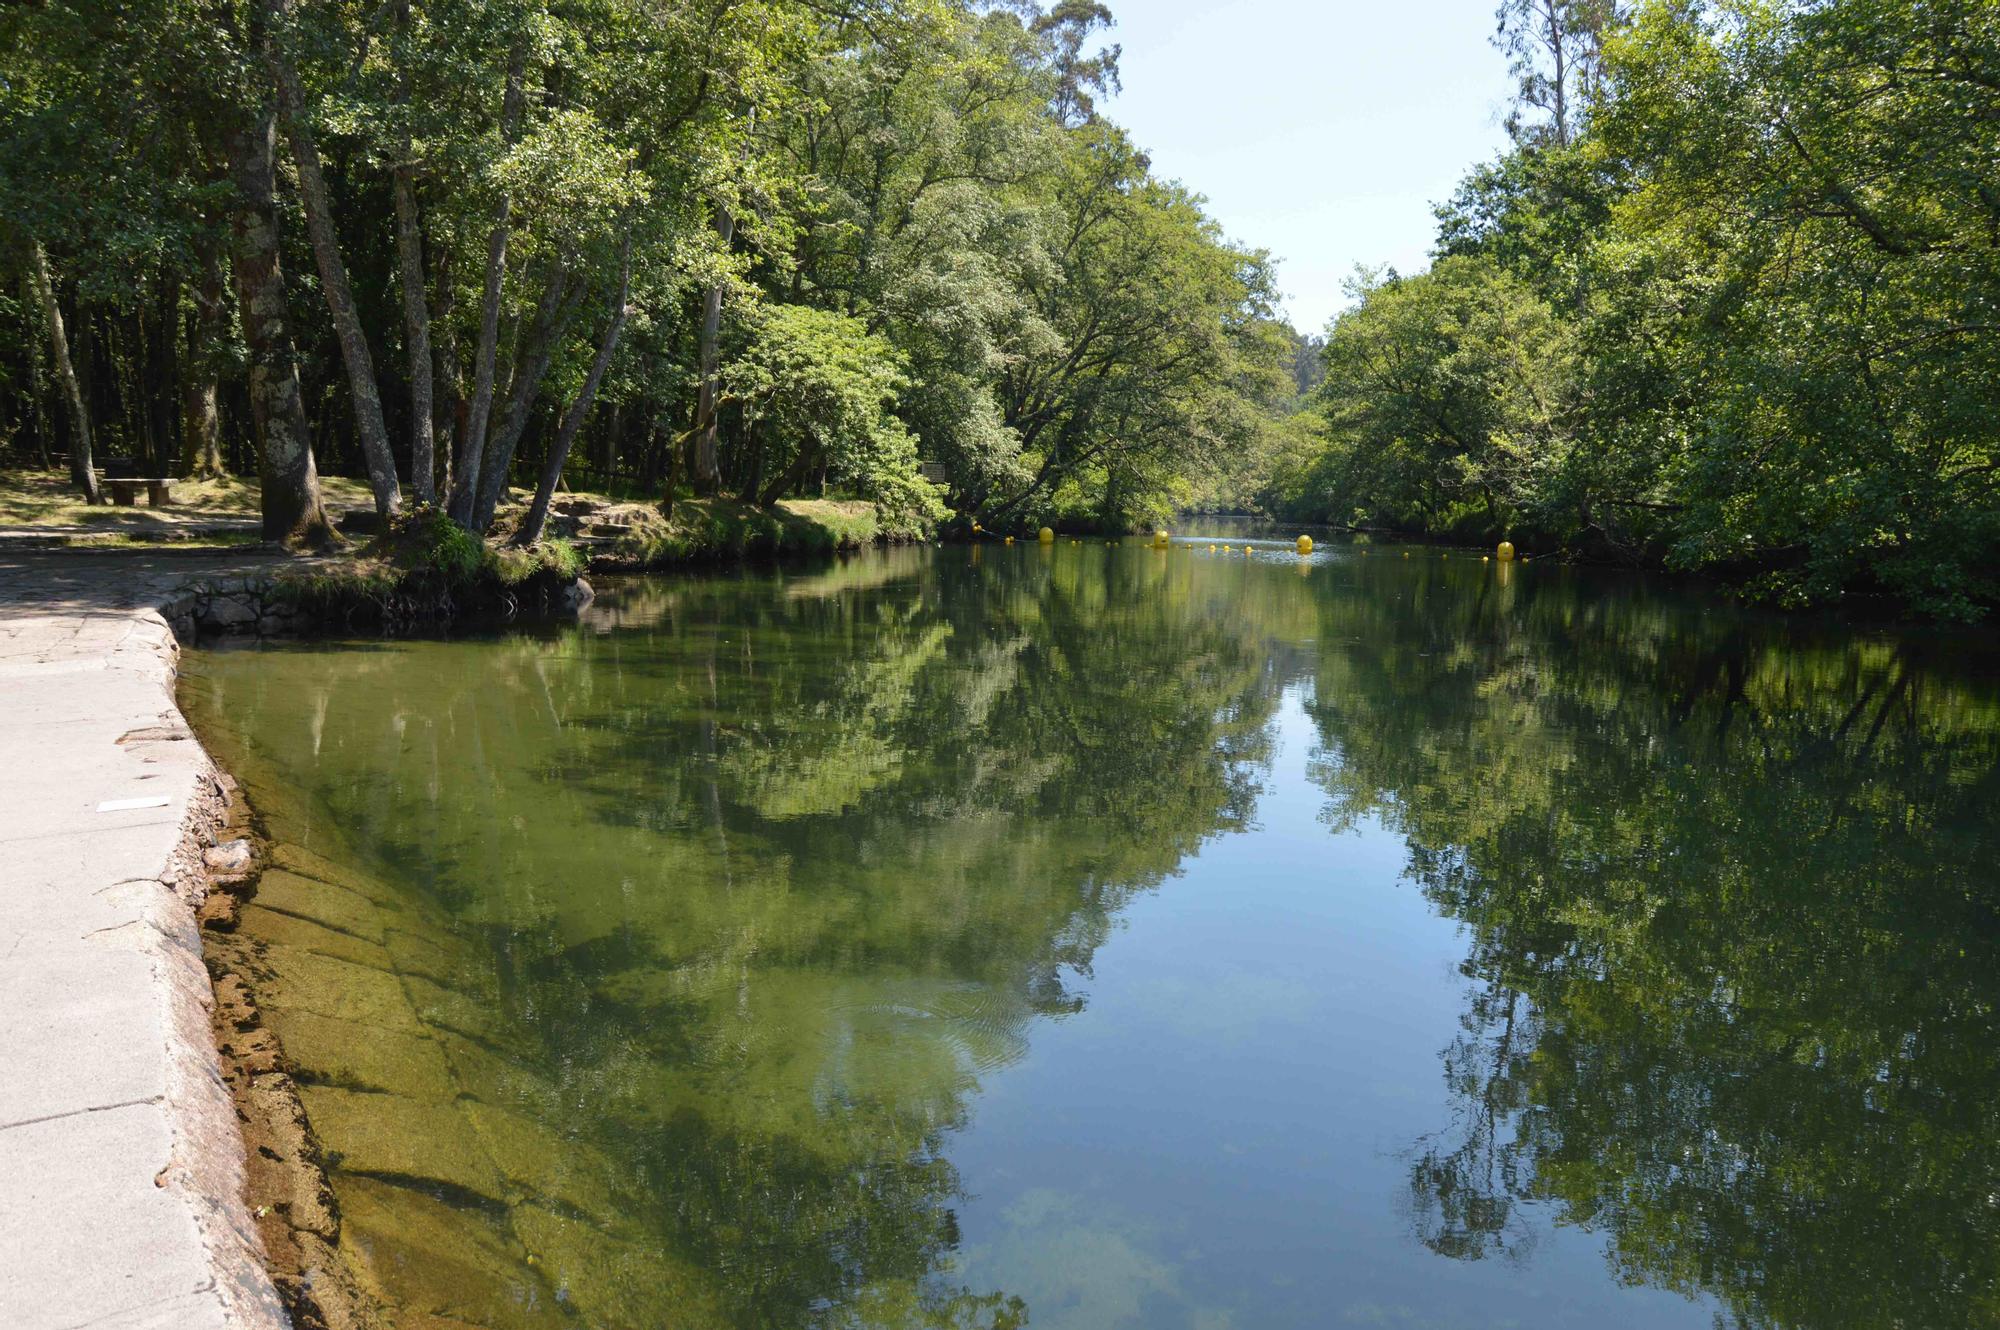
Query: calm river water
{"points": [[1095, 937]]}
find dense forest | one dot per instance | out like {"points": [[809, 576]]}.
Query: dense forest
{"points": [[886, 248], [1730, 302]]}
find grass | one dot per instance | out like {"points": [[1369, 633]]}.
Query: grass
{"points": [[428, 565], [37, 499], [428, 568]]}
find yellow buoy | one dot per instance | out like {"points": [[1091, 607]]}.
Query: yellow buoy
{"points": [[975, 526], [1486, 558], [1211, 547], [1008, 541], [1506, 551], [1406, 554], [1305, 544], [1159, 540], [1046, 536], [1226, 549]]}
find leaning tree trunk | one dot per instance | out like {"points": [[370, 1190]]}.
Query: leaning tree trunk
{"points": [[794, 475], [201, 419], [538, 512], [559, 302], [466, 484], [293, 513], [81, 472], [707, 471], [332, 269]]}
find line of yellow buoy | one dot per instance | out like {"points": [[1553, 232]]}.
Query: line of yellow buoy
{"points": [[1160, 540]]}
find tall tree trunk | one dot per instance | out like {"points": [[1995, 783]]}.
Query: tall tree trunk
{"points": [[127, 353], [673, 478], [707, 471], [417, 333], [81, 473], [450, 407], [164, 370], [753, 461], [201, 420], [465, 497], [559, 302], [38, 387], [332, 269], [605, 461], [292, 509], [416, 314], [607, 346]]}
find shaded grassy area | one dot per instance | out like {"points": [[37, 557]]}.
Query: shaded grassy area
{"points": [[426, 567], [36, 499]]}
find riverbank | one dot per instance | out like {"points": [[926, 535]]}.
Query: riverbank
{"points": [[119, 1151], [155, 1150]]}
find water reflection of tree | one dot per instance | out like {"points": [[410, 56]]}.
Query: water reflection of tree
{"points": [[772, 873], [1731, 894]]}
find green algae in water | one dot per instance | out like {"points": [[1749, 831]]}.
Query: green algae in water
{"points": [[1097, 937]]}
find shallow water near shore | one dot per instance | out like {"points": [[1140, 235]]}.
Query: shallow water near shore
{"points": [[1093, 936]]}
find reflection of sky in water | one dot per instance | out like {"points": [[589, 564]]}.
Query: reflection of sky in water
{"points": [[1218, 1140]]}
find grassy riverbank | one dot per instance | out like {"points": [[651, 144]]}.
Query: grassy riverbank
{"points": [[610, 531], [427, 567]]}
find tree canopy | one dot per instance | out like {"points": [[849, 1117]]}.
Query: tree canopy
{"points": [[890, 248], [1725, 305]]}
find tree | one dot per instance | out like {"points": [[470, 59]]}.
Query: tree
{"points": [[1555, 51], [355, 356], [816, 392], [82, 474]]}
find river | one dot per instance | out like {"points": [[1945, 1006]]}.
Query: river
{"points": [[1092, 936]]}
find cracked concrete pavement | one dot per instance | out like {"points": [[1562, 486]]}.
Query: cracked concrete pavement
{"points": [[120, 1158]]}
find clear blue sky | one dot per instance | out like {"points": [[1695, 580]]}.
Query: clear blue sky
{"points": [[1321, 131]]}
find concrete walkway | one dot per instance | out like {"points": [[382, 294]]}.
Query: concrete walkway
{"points": [[120, 1160]]}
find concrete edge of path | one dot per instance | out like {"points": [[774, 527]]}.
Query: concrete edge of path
{"points": [[121, 1161]]}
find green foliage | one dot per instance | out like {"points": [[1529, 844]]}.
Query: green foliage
{"points": [[1737, 320], [816, 391], [428, 542], [1442, 401]]}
